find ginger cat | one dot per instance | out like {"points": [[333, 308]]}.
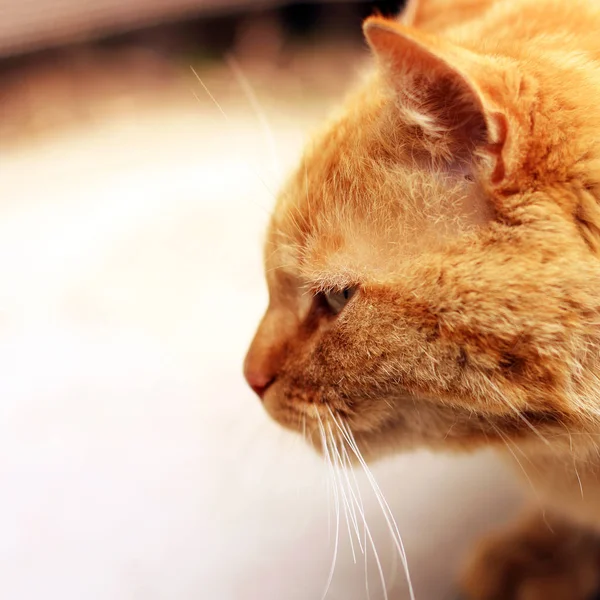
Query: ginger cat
{"points": [[434, 270]]}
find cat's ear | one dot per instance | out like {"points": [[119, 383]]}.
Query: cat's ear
{"points": [[445, 91]]}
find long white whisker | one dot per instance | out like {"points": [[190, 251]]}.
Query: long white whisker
{"points": [[209, 94], [258, 111], [337, 507], [529, 480], [360, 507], [394, 566], [329, 494], [512, 452], [519, 414], [573, 458], [578, 477], [347, 501], [337, 469], [228, 120], [385, 508], [308, 205], [344, 469]]}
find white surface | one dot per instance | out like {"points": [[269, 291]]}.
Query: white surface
{"points": [[134, 463]]}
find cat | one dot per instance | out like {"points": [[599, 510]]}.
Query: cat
{"points": [[434, 272]]}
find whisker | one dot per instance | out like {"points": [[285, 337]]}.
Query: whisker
{"points": [[337, 471], [578, 477], [348, 501], [361, 509], [512, 452], [385, 508], [344, 469], [228, 120], [337, 506], [519, 414], [209, 94], [368, 535], [574, 459], [258, 111], [329, 494], [308, 205], [394, 566], [506, 440]]}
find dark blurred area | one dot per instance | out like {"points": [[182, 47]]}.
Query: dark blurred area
{"points": [[35, 25], [63, 62]]}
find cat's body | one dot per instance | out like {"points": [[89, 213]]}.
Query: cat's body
{"points": [[434, 267]]}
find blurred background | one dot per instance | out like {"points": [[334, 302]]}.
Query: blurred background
{"points": [[141, 145]]}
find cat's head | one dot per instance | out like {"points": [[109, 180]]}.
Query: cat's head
{"points": [[431, 264]]}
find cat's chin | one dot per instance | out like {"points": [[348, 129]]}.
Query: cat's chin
{"points": [[400, 435], [353, 449], [399, 424], [328, 434]]}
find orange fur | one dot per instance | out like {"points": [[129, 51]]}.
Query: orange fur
{"points": [[458, 190]]}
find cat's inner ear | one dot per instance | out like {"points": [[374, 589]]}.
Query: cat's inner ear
{"points": [[437, 89]]}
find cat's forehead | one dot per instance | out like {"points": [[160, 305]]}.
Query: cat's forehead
{"points": [[360, 202]]}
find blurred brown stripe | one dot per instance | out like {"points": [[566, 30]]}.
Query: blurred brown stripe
{"points": [[27, 25]]}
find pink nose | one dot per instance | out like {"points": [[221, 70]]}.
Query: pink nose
{"points": [[258, 380]]}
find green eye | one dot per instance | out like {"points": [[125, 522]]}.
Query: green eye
{"points": [[336, 300]]}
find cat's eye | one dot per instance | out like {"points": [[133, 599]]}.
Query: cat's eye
{"points": [[337, 299]]}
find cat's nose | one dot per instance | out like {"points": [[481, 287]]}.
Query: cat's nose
{"points": [[263, 362], [259, 380]]}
